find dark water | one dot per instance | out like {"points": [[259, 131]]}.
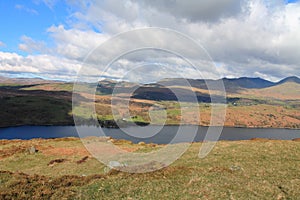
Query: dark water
{"points": [[168, 134]]}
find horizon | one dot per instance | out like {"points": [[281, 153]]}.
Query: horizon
{"points": [[118, 81]]}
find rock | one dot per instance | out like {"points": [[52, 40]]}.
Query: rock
{"points": [[113, 164], [116, 164], [235, 168], [112, 140], [32, 150], [152, 145]]}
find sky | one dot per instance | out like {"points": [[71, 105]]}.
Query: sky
{"points": [[52, 38]]}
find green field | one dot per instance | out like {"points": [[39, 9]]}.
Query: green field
{"points": [[257, 169]]}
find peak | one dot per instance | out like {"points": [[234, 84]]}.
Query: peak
{"points": [[294, 79], [243, 78]]}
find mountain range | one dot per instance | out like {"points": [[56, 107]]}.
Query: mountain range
{"points": [[231, 84], [287, 88]]}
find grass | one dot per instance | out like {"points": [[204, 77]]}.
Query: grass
{"points": [[9, 85], [284, 91], [257, 169], [41, 110], [52, 87]]}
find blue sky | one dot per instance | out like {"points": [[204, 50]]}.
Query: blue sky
{"points": [[29, 18], [50, 38]]}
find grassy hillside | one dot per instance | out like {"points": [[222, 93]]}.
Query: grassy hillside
{"points": [[63, 169], [51, 103], [285, 91], [34, 111]]}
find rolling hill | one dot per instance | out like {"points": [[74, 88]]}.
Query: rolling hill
{"points": [[288, 90], [251, 102]]}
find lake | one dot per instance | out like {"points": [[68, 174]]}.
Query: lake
{"points": [[146, 134]]}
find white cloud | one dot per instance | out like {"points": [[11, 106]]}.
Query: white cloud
{"points": [[45, 65], [257, 36], [247, 38], [29, 45], [75, 43], [2, 44], [49, 3], [26, 9]]}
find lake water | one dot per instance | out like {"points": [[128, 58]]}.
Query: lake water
{"points": [[146, 134]]}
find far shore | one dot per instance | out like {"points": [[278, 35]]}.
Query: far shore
{"points": [[146, 124]]}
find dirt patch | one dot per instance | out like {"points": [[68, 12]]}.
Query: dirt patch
{"points": [[219, 170], [5, 142], [67, 151], [84, 159], [158, 174], [21, 146], [53, 162], [296, 140], [14, 149], [129, 149], [259, 139], [151, 166], [64, 139]]}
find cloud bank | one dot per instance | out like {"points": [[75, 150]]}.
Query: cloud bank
{"points": [[244, 38]]}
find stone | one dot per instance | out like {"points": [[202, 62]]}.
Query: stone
{"points": [[32, 150], [235, 168]]}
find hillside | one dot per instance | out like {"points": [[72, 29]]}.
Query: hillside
{"points": [[63, 169], [291, 79], [24, 81], [251, 102], [285, 91]]}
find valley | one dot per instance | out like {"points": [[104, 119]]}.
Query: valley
{"points": [[251, 102]]}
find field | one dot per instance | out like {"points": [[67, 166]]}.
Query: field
{"points": [[63, 169]]}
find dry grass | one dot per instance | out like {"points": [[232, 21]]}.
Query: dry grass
{"points": [[256, 169], [286, 91]]}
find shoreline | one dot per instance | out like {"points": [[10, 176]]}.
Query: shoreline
{"points": [[109, 138], [142, 125]]}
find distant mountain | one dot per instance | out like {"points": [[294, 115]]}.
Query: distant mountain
{"points": [[106, 86], [24, 81], [230, 84], [291, 79], [245, 82]]}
